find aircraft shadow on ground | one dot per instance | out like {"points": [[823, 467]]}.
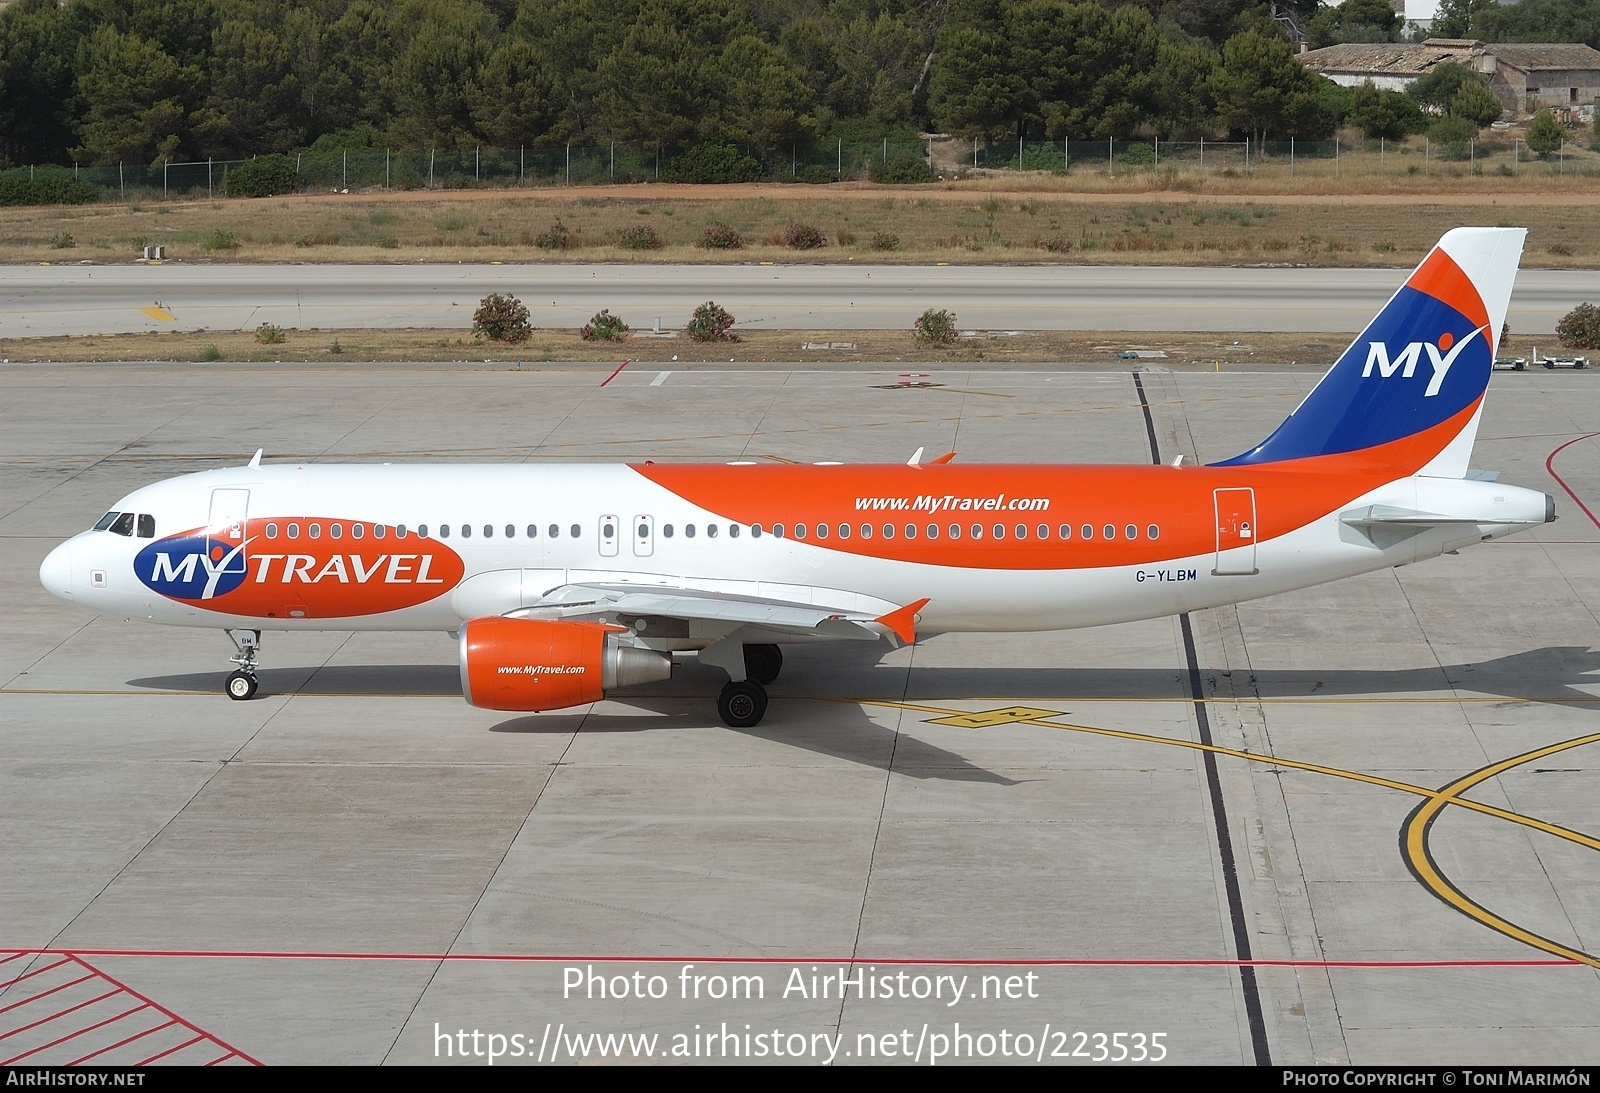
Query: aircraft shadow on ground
{"points": [[1552, 675]]}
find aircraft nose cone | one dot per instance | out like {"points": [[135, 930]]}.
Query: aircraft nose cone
{"points": [[55, 572]]}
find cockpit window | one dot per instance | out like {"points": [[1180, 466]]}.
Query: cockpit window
{"points": [[147, 526], [123, 525], [107, 520]]}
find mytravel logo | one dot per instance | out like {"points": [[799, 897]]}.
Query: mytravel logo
{"points": [[300, 567], [1441, 356]]}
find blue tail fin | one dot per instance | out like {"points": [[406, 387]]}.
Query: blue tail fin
{"points": [[1420, 367]]}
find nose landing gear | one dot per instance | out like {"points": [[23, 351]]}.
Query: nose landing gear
{"points": [[241, 684]]}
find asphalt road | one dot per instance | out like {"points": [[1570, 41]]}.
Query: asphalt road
{"points": [[77, 299]]}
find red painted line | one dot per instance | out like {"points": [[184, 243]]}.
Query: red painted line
{"points": [[121, 1043], [1549, 465], [849, 961], [171, 1051], [53, 1016], [13, 956], [220, 1059], [163, 1009], [613, 375], [43, 994], [36, 971], [71, 1036]]}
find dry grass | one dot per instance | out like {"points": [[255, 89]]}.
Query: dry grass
{"points": [[970, 223], [226, 348]]}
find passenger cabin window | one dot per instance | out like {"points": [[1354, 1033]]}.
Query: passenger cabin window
{"points": [[488, 531], [1065, 530], [379, 531], [1131, 531], [357, 531], [1087, 531], [555, 531], [466, 531], [1110, 531], [106, 521], [688, 531], [733, 531], [315, 531], [577, 532], [147, 526], [666, 531], [777, 530], [955, 531], [272, 531], [844, 531], [533, 531], [755, 531], [711, 531], [1043, 530], [399, 531], [511, 531], [123, 525], [444, 531], [1153, 532], [822, 531], [335, 531], [799, 531], [422, 531]]}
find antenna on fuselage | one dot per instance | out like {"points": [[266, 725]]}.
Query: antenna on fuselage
{"points": [[255, 460]]}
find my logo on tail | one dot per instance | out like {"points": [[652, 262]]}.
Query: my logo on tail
{"points": [[1441, 356]]}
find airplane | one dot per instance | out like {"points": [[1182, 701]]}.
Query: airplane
{"points": [[564, 583]]}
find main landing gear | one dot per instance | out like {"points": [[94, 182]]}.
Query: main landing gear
{"points": [[743, 702], [242, 684]]}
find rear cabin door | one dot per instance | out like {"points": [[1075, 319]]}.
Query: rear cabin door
{"points": [[1236, 532]]}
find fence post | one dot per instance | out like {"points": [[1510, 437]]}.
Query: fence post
{"points": [[569, 163], [1472, 155], [1380, 155], [1158, 153], [1561, 158], [974, 153], [1427, 155], [1516, 153], [1335, 157], [164, 165], [1246, 157], [386, 182], [477, 173], [613, 161], [1019, 150], [430, 168], [794, 159], [208, 178], [1291, 157], [838, 168], [344, 170], [522, 161], [1111, 166], [1202, 155], [885, 149], [122, 187]]}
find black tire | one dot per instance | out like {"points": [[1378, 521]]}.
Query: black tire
{"points": [[240, 686], [762, 663], [742, 704]]}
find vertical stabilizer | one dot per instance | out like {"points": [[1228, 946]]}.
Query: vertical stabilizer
{"points": [[1410, 389]]}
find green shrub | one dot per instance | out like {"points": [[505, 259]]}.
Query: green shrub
{"points": [[604, 327], [1580, 327], [638, 237], [1452, 138], [711, 324], [799, 236], [818, 175], [556, 237], [902, 172], [936, 327], [264, 176], [882, 240], [713, 162], [211, 353], [502, 317], [220, 239], [62, 241], [720, 236], [269, 334], [16, 188], [1139, 154], [1545, 133], [1056, 244]]}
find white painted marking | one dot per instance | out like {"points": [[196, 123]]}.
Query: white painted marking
{"points": [[661, 377]]}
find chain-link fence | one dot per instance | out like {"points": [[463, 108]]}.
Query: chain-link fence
{"points": [[826, 161]]}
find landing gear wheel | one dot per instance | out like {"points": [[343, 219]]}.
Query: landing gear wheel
{"points": [[762, 663], [742, 704], [240, 686]]}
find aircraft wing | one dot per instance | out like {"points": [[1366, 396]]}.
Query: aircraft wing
{"points": [[682, 613]]}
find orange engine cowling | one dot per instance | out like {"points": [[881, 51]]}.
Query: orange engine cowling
{"points": [[531, 664]]}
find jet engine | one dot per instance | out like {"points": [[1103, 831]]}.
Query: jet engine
{"points": [[533, 664]]}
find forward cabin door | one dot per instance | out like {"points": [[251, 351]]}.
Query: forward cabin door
{"points": [[1236, 532], [225, 531]]}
